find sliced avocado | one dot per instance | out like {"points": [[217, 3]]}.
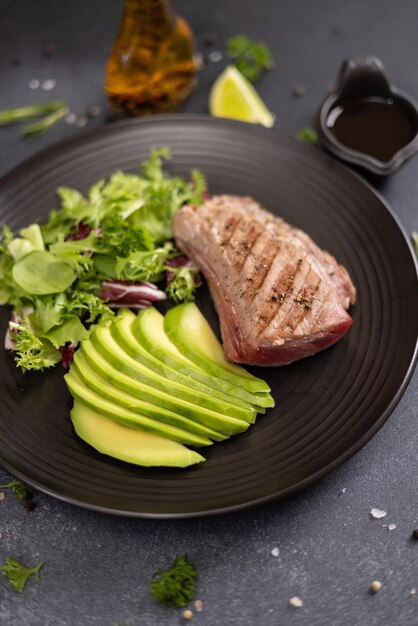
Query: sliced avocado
{"points": [[188, 329], [102, 365], [129, 444], [148, 328], [103, 341], [89, 398], [101, 386], [121, 331]]}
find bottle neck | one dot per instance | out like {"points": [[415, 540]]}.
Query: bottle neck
{"points": [[148, 9]]}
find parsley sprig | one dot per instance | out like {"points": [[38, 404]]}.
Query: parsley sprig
{"points": [[252, 58], [20, 490], [18, 574], [175, 586]]}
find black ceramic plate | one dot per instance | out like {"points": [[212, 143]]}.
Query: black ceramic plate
{"points": [[328, 405]]}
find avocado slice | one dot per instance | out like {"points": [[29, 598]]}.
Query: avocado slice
{"points": [[103, 341], [121, 331], [129, 444], [89, 398], [102, 366], [188, 329], [148, 329], [99, 385]]}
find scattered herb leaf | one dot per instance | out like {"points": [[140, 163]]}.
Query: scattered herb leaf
{"points": [[308, 135], [18, 574], [175, 586], [20, 490], [252, 58]]}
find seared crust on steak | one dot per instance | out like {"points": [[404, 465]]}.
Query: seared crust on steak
{"points": [[278, 295]]}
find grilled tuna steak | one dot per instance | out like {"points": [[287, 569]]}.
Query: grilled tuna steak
{"points": [[279, 297]]}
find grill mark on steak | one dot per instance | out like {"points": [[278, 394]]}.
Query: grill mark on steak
{"points": [[298, 304], [241, 242], [279, 297], [226, 227], [285, 283], [257, 265], [336, 274]]}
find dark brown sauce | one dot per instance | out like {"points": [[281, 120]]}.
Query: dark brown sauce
{"points": [[376, 127]]}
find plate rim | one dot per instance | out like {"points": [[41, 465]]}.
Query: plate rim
{"points": [[301, 484]]}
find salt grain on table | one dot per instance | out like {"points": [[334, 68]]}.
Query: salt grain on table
{"points": [[49, 84], [1, 496], [81, 121], [70, 118], [93, 111], [275, 551], [377, 513], [391, 526], [296, 602], [34, 83], [198, 605], [215, 56]]}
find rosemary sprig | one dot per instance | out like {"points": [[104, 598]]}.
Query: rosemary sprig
{"points": [[21, 114], [32, 131]]}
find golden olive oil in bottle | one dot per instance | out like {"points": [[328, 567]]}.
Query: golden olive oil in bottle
{"points": [[151, 68]]}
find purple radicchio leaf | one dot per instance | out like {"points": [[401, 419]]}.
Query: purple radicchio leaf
{"points": [[67, 354], [83, 231], [136, 295]]}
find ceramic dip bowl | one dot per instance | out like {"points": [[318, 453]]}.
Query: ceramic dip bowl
{"points": [[367, 121]]}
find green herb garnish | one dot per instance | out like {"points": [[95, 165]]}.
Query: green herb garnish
{"points": [[20, 490], [32, 131], [176, 585], [22, 114], [18, 574], [51, 113], [252, 58], [308, 135]]}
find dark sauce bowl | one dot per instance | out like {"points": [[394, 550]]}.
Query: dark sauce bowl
{"points": [[367, 121]]}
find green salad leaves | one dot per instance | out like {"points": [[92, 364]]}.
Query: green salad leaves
{"points": [[52, 274]]}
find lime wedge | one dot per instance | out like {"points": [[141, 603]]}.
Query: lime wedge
{"points": [[234, 97]]}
